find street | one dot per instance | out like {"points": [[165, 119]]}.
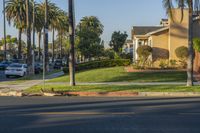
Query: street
{"points": [[99, 115]]}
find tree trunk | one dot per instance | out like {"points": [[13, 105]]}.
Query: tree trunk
{"points": [[53, 45], [28, 33], [20, 43], [39, 45], [190, 47], [72, 41], [46, 28], [4, 20]]}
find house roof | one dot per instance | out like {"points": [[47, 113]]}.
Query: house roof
{"points": [[143, 30], [159, 30]]}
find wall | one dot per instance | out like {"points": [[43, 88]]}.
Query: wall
{"points": [[178, 32], [160, 45]]}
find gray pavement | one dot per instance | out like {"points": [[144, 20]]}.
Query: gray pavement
{"points": [[99, 115], [27, 84]]}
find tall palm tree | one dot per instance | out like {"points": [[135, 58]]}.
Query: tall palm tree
{"points": [[16, 13], [39, 24], [62, 26], [72, 42], [190, 4]]}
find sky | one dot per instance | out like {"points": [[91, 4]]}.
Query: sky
{"points": [[115, 15]]}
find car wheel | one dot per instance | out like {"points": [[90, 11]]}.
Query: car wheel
{"points": [[23, 74]]}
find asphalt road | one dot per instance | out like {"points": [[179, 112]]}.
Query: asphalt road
{"points": [[99, 115]]}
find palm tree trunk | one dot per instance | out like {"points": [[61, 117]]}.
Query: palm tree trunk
{"points": [[20, 43], [72, 41], [39, 45], [190, 47], [53, 45], [4, 24], [46, 27], [28, 33]]}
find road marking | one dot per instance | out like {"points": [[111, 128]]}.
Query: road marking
{"points": [[86, 113]]}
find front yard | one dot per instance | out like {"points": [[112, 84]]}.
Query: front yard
{"points": [[118, 74]]}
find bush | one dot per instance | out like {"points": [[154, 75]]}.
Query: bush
{"points": [[100, 64], [196, 44], [144, 51], [164, 64], [182, 52]]}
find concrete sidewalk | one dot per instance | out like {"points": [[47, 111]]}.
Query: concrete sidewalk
{"points": [[27, 84]]}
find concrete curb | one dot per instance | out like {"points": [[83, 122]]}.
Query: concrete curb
{"points": [[105, 94]]}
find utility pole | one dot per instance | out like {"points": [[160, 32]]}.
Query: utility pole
{"points": [[72, 40], [4, 22], [33, 27], [28, 33], [46, 28]]}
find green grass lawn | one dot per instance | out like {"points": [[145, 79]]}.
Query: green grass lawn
{"points": [[118, 74], [115, 88]]}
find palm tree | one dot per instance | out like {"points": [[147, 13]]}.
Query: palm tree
{"points": [[72, 41], [39, 24], [16, 13], [190, 4]]}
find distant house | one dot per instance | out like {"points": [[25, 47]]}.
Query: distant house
{"points": [[165, 38], [128, 47]]}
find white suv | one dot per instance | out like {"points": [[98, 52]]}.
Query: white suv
{"points": [[16, 69]]}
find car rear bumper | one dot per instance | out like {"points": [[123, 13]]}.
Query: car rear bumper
{"points": [[14, 73]]}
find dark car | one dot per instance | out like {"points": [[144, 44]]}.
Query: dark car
{"points": [[58, 64], [4, 65], [38, 68]]}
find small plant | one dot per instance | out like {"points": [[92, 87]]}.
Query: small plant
{"points": [[173, 63], [164, 64]]}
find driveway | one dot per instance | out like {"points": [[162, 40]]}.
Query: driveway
{"points": [[99, 115]]}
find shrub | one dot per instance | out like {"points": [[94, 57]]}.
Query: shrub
{"points": [[164, 64], [100, 64], [182, 54], [144, 51], [196, 44], [173, 63]]}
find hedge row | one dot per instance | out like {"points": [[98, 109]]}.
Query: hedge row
{"points": [[100, 64]]}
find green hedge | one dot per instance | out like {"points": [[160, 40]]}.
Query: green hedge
{"points": [[100, 64]]}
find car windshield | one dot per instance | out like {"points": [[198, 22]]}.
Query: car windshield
{"points": [[16, 65]]}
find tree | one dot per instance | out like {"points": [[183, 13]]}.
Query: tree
{"points": [[118, 39], [190, 4], [89, 31], [16, 13], [72, 42]]}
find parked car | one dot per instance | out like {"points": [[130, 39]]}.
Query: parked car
{"points": [[16, 69], [38, 68], [4, 64], [58, 64]]}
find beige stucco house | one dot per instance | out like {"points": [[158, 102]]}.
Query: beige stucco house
{"points": [[165, 38]]}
